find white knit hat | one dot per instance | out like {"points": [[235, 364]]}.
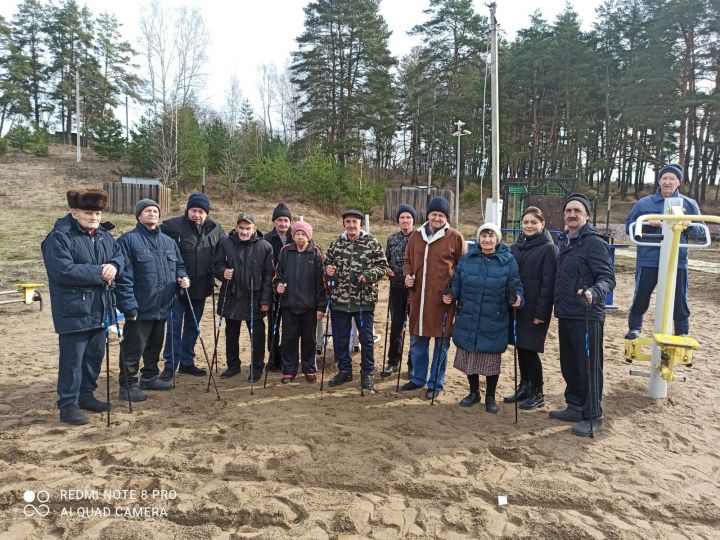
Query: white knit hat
{"points": [[490, 227]]}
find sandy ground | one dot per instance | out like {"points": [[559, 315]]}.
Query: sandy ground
{"points": [[289, 461]]}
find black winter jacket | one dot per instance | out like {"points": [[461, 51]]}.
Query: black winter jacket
{"points": [[302, 272], [583, 263], [197, 248], [148, 286], [537, 258], [253, 264], [72, 260], [273, 238]]}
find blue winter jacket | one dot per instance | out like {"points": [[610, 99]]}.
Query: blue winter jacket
{"points": [[479, 285], [72, 260], [649, 256], [583, 263], [148, 285]]}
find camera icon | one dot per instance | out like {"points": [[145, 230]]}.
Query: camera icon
{"points": [[41, 497]]}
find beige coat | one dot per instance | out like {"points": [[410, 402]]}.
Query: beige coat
{"points": [[433, 263]]}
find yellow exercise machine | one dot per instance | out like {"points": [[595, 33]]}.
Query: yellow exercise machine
{"points": [[29, 294], [667, 350]]}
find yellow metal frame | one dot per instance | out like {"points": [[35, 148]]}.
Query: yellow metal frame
{"points": [[29, 292], [633, 349]]}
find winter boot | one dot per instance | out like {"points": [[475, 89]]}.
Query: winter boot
{"points": [[155, 383], [73, 415], [389, 370], [367, 383], [584, 429], [471, 399], [521, 394], [535, 400], [341, 378], [491, 405], [134, 393], [89, 403], [569, 414]]}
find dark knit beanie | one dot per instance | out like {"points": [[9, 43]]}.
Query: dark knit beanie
{"points": [[198, 200], [406, 208], [142, 204], [579, 197], [439, 204], [281, 210], [674, 168]]}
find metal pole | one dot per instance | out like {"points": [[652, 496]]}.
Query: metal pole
{"points": [[127, 122], [495, 117], [202, 188], [77, 112], [457, 178]]}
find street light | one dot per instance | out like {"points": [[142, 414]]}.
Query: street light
{"points": [[459, 133]]}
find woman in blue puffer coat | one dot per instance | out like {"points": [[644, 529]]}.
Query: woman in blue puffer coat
{"points": [[485, 285]]}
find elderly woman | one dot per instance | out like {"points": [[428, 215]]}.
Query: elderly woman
{"points": [[537, 258], [485, 285]]}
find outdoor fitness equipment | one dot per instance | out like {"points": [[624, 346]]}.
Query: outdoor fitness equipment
{"points": [[29, 294], [668, 350]]}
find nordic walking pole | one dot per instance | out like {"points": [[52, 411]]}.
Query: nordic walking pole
{"points": [[387, 322], [402, 345], [274, 333], [215, 335], [111, 295], [217, 332], [252, 335], [515, 355], [202, 343], [591, 390], [172, 338], [330, 283], [442, 353], [107, 349]]}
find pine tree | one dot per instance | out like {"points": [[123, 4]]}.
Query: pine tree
{"points": [[106, 137], [29, 38]]}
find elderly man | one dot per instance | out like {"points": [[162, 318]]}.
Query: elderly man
{"points": [[648, 258], [354, 262], [585, 275], [278, 237], [81, 259], [198, 238], [145, 294], [433, 252], [244, 262]]}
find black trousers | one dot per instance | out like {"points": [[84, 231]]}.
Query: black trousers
{"points": [[398, 314], [232, 343], [574, 365], [530, 367], [141, 338], [273, 341], [298, 327], [645, 282]]}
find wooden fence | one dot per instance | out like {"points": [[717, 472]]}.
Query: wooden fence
{"points": [[415, 197], [122, 198]]}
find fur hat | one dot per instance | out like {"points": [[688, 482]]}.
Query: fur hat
{"points": [[579, 197], [405, 208], [490, 227], [439, 204], [87, 199], [303, 226], [198, 200], [281, 210], [673, 168], [142, 204]]}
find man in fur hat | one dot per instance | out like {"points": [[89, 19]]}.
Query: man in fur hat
{"points": [[81, 259]]}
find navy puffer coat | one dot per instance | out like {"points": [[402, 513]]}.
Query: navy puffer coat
{"points": [[479, 285], [148, 286], [537, 258], [72, 260]]}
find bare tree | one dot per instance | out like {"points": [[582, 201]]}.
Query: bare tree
{"points": [[233, 104], [288, 109], [268, 75], [191, 43]]}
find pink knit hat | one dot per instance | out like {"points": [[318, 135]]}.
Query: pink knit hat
{"points": [[303, 226]]}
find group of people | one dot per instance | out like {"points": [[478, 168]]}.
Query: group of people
{"points": [[159, 276]]}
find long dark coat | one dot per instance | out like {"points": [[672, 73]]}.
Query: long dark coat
{"points": [[537, 258]]}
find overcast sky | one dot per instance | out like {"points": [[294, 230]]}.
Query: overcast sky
{"points": [[248, 33]]}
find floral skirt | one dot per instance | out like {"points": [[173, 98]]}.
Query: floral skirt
{"points": [[479, 363]]}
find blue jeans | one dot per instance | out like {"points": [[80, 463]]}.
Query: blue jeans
{"points": [[184, 333], [420, 352], [81, 355], [341, 326]]}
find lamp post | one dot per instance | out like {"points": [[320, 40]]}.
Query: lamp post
{"points": [[459, 133]]}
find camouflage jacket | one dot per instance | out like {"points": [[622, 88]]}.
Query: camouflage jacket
{"points": [[351, 258], [395, 252]]}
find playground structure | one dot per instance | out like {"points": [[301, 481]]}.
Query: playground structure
{"points": [[28, 292], [668, 351]]}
